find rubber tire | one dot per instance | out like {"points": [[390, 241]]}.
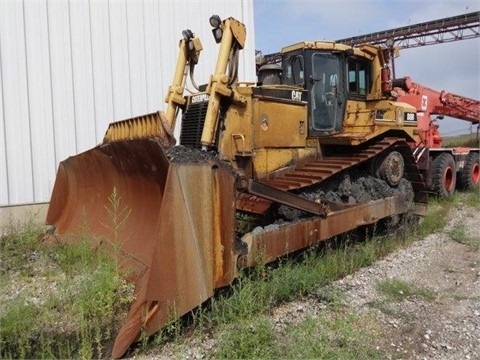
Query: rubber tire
{"points": [[444, 175], [469, 176]]}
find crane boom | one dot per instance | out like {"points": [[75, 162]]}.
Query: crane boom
{"points": [[429, 102], [436, 102]]}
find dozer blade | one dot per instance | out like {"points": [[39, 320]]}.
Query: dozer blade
{"points": [[169, 225]]}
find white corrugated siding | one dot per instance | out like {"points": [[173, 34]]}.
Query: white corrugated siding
{"points": [[68, 69]]}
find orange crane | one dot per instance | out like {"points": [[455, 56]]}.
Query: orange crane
{"points": [[444, 167], [430, 102]]}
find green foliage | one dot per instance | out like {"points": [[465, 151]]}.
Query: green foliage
{"points": [[459, 234], [83, 294], [248, 339], [466, 140], [437, 215], [474, 199], [235, 314], [76, 312], [17, 247], [67, 301], [399, 290], [343, 336]]}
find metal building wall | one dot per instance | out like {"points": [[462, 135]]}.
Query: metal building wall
{"points": [[69, 68]]}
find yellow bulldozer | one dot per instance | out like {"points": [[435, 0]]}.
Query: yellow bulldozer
{"points": [[313, 149]]}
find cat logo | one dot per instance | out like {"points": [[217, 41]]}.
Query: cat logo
{"points": [[296, 95], [200, 98]]}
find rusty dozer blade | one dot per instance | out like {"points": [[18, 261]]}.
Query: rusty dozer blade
{"points": [[177, 238]]}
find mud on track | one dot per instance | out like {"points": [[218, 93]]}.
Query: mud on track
{"points": [[353, 187]]}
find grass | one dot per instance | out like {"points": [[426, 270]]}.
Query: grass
{"points": [[437, 215], [399, 290], [57, 300], [255, 293], [474, 199], [459, 234], [68, 300], [466, 140], [344, 336]]}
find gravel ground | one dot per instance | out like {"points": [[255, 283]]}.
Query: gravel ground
{"points": [[447, 327], [444, 327]]}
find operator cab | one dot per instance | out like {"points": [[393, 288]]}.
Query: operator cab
{"points": [[332, 74]]}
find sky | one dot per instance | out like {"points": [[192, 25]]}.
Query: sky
{"points": [[453, 67]]}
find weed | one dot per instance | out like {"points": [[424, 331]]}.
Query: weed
{"points": [[75, 313], [434, 221], [18, 247], [399, 290], [247, 339], [450, 270], [474, 199], [69, 298], [324, 336], [459, 235], [83, 295], [117, 215]]}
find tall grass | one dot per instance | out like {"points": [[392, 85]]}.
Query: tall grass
{"points": [[67, 306], [58, 300]]}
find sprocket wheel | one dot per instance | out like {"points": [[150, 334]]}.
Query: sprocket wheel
{"points": [[392, 168]]}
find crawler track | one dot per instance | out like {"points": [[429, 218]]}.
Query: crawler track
{"points": [[315, 172]]}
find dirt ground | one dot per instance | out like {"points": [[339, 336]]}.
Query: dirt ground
{"points": [[445, 327]]}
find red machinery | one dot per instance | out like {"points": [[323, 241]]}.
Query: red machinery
{"points": [[429, 102], [442, 166]]}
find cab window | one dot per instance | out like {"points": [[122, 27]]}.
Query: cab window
{"points": [[358, 77], [293, 71], [325, 95]]}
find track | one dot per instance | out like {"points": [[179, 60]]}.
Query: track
{"points": [[314, 173]]}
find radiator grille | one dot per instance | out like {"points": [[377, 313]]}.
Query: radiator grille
{"points": [[192, 124]]}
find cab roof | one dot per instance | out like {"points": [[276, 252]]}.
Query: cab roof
{"points": [[366, 50]]}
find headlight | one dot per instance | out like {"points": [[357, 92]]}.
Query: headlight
{"points": [[187, 34], [217, 34], [215, 21]]}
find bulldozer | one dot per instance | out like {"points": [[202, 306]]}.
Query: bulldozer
{"points": [[206, 205]]}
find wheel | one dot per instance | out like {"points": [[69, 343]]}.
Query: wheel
{"points": [[392, 168], [469, 176], [444, 175]]}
